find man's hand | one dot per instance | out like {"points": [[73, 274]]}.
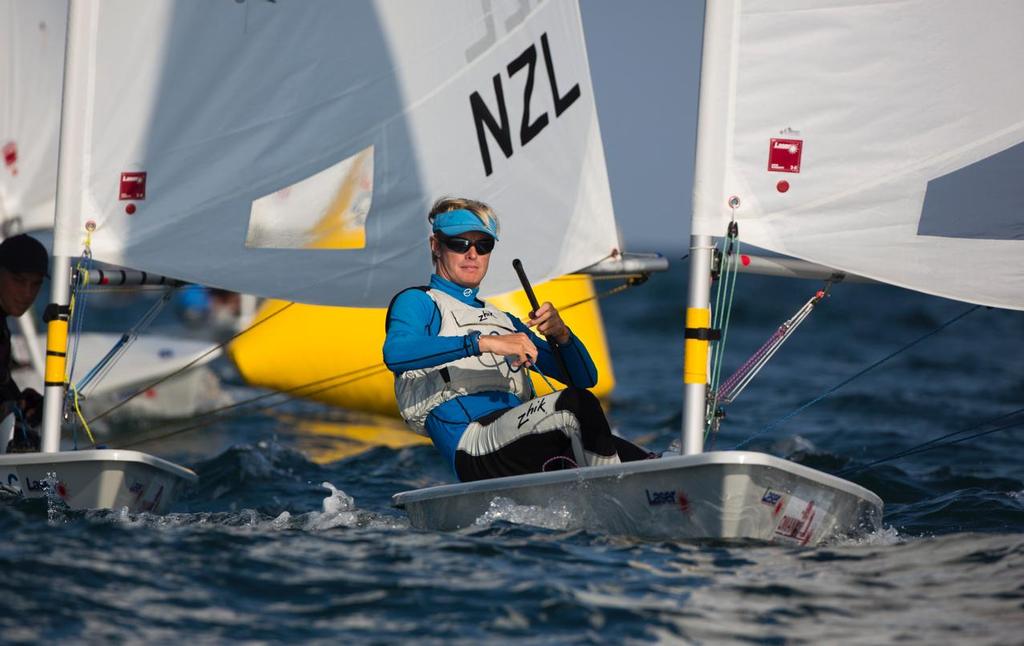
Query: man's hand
{"points": [[516, 345], [31, 405], [549, 323]]}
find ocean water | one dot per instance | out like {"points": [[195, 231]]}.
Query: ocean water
{"points": [[282, 541]]}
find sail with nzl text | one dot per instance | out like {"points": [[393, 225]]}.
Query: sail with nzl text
{"points": [[292, 149]]}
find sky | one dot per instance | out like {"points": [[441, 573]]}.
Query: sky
{"points": [[645, 67]]}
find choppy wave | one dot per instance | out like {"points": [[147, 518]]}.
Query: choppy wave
{"points": [[272, 546]]}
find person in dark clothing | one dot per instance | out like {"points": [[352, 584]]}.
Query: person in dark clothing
{"points": [[24, 263]]}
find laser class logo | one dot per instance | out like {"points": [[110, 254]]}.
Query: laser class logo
{"points": [[669, 497]]}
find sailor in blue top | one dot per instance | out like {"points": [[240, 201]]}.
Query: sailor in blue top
{"points": [[460, 366]]}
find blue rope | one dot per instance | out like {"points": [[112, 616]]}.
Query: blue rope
{"points": [[79, 315], [76, 333], [542, 376], [833, 389], [102, 363]]}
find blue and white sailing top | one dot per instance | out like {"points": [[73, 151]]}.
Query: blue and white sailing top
{"points": [[415, 346]]}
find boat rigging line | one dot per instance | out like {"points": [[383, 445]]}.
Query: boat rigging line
{"points": [[937, 442], [326, 383], [218, 414], [217, 347], [778, 422], [725, 267], [738, 381], [727, 262], [630, 282], [634, 269], [76, 313], [109, 360]]}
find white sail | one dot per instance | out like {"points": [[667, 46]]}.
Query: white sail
{"points": [[881, 138], [292, 149], [32, 38]]}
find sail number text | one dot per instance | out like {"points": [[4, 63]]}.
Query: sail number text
{"points": [[531, 124]]}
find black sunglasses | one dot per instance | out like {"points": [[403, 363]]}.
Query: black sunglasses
{"points": [[483, 246]]}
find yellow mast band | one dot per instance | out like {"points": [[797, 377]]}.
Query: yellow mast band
{"points": [[695, 351], [56, 351]]}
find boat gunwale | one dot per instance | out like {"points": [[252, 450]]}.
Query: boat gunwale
{"points": [[753, 458], [98, 455]]}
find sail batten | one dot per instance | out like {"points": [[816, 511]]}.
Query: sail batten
{"points": [[882, 139]]}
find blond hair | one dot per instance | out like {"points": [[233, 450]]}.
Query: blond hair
{"points": [[476, 207]]}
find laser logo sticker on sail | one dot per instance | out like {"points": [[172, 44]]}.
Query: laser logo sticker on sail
{"points": [[133, 186], [784, 155]]}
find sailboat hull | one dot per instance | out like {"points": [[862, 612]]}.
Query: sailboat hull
{"points": [[97, 479], [724, 495]]}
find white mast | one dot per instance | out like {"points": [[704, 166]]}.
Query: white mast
{"points": [[716, 79], [72, 121], [698, 317]]}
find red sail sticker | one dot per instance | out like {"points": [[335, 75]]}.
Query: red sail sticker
{"points": [[10, 152], [784, 155], [133, 186]]}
